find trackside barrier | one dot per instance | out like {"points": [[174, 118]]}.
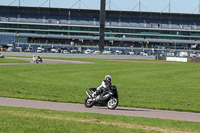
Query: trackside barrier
{"points": [[194, 60], [179, 59]]}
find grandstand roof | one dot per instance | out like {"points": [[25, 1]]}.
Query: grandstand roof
{"points": [[2, 7]]}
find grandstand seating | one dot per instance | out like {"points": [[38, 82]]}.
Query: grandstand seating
{"points": [[63, 22], [124, 26], [110, 21]]}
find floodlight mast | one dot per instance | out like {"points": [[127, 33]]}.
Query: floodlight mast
{"points": [[109, 4], [169, 6], [102, 25], [140, 5], [199, 7]]}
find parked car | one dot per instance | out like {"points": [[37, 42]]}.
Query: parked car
{"points": [[73, 51], [131, 53], [107, 52], [96, 52], [88, 51], [65, 52], [118, 52], [53, 50]]}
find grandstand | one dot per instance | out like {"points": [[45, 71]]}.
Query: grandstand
{"points": [[64, 26]]}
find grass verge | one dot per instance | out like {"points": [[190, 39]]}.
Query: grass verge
{"points": [[21, 120], [4, 60]]}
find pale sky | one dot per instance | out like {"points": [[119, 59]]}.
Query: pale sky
{"points": [[178, 6]]}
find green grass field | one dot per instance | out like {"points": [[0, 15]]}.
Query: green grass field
{"points": [[170, 86], [4, 60], [22, 120]]}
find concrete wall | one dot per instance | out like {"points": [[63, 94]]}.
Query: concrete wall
{"points": [[138, 57]]}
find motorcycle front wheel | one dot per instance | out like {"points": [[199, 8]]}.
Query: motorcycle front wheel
{"points": [[88, 102], [112, 103]]}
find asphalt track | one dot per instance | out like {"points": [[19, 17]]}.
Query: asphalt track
{"points": [[125, 111], [44, 61]]}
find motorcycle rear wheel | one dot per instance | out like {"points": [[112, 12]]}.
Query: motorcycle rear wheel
{"points": [[88, 103], [112, 103]]}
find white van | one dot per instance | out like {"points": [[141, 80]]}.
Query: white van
{"points": [[39, 50], [65, 52]]}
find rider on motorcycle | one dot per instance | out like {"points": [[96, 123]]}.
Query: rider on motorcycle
{"points": [[34, 58], [39, 58], [1, 55], [106, 83]]}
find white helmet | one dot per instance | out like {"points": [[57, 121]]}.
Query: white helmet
{"points": [[108, 78]]}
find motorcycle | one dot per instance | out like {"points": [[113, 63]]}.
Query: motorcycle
{"points": [[108, 98], [39, 59]]}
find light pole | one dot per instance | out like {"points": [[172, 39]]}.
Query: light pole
{"points": [[102, 25]]}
